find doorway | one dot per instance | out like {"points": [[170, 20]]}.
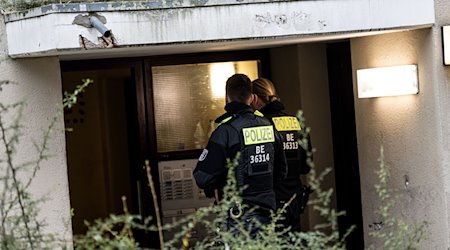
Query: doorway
{"points": [[101, 143], [141, 109]]}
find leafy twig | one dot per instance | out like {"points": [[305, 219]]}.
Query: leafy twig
{"points": [[155, 204]]}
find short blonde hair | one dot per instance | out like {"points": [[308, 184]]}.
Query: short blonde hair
{"points": [[265, 90]]}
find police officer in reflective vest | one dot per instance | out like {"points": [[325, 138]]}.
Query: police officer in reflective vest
{"points": [[261, 160], [268, 103]]}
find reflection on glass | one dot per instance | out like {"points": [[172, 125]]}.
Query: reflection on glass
{"points": [[188, 98], [219, 73]]}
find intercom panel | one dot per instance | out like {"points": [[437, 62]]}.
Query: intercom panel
{"points": [[180, 195]]}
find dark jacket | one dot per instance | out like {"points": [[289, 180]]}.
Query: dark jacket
{"points": [[295, 154], [261, 162]]}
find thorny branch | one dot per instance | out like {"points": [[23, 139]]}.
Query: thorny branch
{"points": [[19, 230]]}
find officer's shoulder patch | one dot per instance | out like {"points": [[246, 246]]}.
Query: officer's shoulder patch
{"points": [[258, 113], [226, 120], [203, 155]]}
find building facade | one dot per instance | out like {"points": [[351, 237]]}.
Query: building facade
{"points": [[144, 103]]}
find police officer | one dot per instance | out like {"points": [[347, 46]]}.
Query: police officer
{"points": [[261, 154], [268, 103]]}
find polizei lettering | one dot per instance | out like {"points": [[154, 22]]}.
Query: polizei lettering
{"points": [[258, 135], [286, 123]]}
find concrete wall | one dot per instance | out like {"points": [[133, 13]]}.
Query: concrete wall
{"points": [[409, 128], [442, 79], [146, 25], [38, 80]]}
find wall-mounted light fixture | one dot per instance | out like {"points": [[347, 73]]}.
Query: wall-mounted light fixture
{"points": [[387, 81], [446, 44]]}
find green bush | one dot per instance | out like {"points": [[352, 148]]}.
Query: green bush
{"points": [[20, 228], [213, 219], [396, 236], [394, 233]]}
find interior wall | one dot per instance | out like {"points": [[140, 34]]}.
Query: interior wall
{"points": [[408, 128], [97, 145], [315, 100], [85, 159], [38, 81], [284, 63], [116, 126], [300, 75]]}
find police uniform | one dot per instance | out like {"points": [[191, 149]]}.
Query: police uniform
{"points": [[261, 156], [288, 126]]}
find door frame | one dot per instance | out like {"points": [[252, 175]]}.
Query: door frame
{"points": [[345, 148], [145, 129]]}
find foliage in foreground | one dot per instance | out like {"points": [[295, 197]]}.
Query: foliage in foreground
{"points": [[20, 226], [212, 219], [397, 236], [394, 233], [114, 232]]}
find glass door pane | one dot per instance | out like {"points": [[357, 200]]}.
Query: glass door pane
{"points": [[188, 98]]}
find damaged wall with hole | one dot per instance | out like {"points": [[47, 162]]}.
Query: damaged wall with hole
{"points": [[181, 22]]}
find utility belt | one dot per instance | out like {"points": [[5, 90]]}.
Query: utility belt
{"points": [[237, 211]]}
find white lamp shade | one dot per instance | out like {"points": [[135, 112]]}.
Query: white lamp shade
{"points": [[387, 81], [446, 44]]}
